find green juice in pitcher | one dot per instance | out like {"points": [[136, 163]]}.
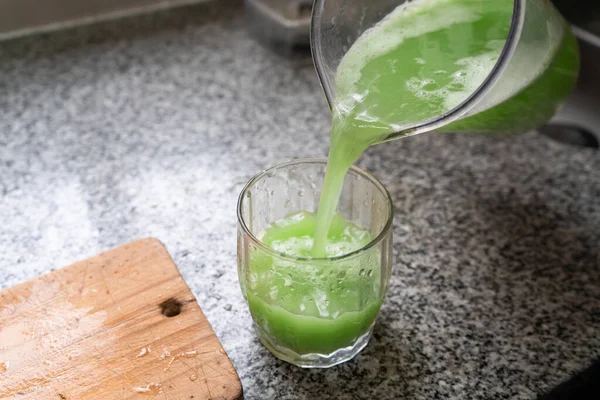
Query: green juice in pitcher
{"points": [[426, 58]]}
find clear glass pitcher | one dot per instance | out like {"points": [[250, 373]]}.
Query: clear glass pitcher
{"points": [[535, 69]]}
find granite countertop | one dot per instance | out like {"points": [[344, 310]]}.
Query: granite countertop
{"points": [[150, 126]]}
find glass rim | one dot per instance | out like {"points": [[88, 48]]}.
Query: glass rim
{"points": [[378, 239], [510, 47]]}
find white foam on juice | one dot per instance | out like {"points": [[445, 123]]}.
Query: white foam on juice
{"points": [[463, 82], [474, 72], [409, 20]]}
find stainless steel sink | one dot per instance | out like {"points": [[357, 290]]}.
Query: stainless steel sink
{"points": [[284, 23], [578, 122]]}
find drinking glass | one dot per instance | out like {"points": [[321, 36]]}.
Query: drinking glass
{"points": [[322, 310]]}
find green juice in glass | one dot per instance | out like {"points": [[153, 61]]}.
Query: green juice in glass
{"points": [[421, 61], [318, 306]]}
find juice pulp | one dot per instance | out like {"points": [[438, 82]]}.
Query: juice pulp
{"points": [[314, 306], [423, 60]]}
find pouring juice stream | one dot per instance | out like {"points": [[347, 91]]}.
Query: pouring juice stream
{"points": [[423, 60]]}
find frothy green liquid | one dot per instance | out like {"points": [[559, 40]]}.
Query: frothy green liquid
{"points": [[423, 60], [314, 306]]}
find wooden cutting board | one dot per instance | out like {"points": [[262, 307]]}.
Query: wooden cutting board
{"points": [[122, 325]]}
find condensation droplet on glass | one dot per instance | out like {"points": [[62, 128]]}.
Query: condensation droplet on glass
{"points": [[287, 203], [370, 273], [313, 185], [272, 193], [301, 192], [341, 274], [361, 272], [252, 280]]}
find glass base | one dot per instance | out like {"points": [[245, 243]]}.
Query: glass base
{"points": [[314, 360]]}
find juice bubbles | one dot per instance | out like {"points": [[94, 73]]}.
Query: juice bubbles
{"points": [[318, 306]]}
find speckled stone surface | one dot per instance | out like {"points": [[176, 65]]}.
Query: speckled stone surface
{"points": [[150, 127]]}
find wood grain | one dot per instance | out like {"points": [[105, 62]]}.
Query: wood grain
{"points": [[122, 325]]}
